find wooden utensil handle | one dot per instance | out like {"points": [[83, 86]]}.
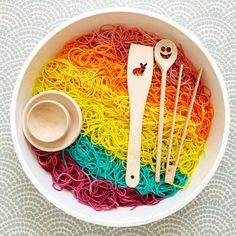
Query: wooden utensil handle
{"points": [[160, 125], [134, 147], [170, 170], [188, 117], [170, 174]]}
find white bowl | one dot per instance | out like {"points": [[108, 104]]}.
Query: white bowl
{"points": [[195, 51]]}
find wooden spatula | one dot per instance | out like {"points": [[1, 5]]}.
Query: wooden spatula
{"points": [[139, 76]]}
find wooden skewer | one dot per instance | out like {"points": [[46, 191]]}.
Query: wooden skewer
{"points": [[172, 169], [168, 176]]}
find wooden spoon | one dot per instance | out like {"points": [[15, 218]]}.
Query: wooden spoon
{"points": [[165, 56], [139, 75]]}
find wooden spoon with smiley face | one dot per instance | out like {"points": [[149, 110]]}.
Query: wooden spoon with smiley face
{"points": [[165, 53]]}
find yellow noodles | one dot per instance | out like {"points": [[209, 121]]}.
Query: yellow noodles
{"points": [[106, 115]]}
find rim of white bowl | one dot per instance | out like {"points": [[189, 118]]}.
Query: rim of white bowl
{"points": [[23, 160]]}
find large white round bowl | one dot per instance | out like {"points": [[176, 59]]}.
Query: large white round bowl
{"points": [[194, 50]]}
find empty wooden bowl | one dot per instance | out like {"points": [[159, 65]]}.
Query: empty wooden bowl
{"points": [[52, 121], [48, 121]]}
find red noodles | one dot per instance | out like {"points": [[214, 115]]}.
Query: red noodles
{"points": [[99, 194]]}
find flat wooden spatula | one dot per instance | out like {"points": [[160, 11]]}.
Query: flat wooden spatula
{"points": [[139, 76]]}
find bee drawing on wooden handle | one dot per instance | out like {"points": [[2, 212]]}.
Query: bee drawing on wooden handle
{"points": [[139, 71]]}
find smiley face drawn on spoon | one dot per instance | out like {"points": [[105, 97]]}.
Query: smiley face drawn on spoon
{"points": [[165, 53]]}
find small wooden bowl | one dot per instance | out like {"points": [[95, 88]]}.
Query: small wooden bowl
{"points": [[52, 121], [48, 121]]}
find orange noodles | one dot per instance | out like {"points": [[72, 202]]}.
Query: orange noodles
{"points": [[103, 58], [117, 36], [92, 69]]}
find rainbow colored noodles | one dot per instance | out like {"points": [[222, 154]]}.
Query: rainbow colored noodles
{"points": [[92, 70]]}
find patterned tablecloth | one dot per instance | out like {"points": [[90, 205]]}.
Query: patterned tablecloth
{"points": [[23, 211]]}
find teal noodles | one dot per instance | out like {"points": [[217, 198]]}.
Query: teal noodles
{"points": [[99, 165]]}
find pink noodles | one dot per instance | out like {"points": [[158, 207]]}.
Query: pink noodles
{"points": [[98, 194]]}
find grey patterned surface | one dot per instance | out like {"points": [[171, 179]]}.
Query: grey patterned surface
{"points": [[23, 211]]}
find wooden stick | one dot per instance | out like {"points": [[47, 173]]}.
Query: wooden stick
{"points": [[172, 169], [160, 126], [167, 175]]}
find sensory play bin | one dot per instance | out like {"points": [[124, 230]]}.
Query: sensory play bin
{"points": [[92, 69]]}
